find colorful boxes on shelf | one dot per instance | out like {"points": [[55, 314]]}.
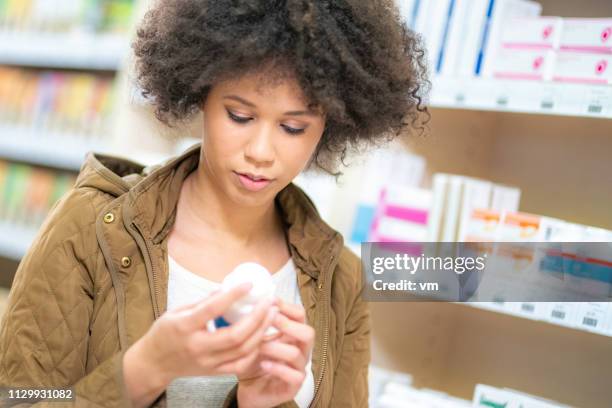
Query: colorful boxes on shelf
{"points": [[27, 193], [55, 102], [388, 167], [401, 215], [455, 199], [576, 50], [65, 16], [508, 39]]}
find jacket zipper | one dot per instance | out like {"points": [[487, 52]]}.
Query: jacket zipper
{"points": [[317, 395], [143, 242]]}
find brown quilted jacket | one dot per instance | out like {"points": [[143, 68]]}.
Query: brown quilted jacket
{"points": [[95, 279]]}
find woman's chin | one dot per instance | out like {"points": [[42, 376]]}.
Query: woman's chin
{"points": [[247, 198]]}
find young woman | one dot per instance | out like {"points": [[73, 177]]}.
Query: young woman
{"points": [[114, 296]]}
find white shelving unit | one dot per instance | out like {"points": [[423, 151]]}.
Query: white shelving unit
{"points": [[500, 309], [45, 148], [75, 50], [59, 150], [561, 163], [529, 97], [502, 95]]}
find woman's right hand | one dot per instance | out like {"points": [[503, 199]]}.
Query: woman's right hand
{"points": [[178, 344]]}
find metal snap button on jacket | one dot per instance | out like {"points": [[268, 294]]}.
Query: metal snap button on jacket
{"points": [[109, 217], [126, 261]]}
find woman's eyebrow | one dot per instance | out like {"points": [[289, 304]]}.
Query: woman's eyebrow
{"points": [[241, 100], [252, 105]]}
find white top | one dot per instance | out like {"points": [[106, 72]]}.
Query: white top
{"points": [[186, 287]]}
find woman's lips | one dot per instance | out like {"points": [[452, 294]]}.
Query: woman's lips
{"points": [[251, 184]]}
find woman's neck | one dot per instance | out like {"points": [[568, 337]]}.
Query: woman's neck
{"points": [[207, 211]]}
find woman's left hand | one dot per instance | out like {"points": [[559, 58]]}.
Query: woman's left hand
{"points": [[279, 371]]}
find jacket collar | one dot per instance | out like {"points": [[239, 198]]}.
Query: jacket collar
{"points": [[153, 193]]}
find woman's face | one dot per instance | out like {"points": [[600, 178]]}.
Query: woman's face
{"points": [[257, 137]]}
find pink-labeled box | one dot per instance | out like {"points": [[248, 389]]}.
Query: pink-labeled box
{"points": [[524, 64], [593, 35], [532, 33], [401, 215], [583, 68]]}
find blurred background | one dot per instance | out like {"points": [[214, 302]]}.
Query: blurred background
{"points": [[519, 148]]}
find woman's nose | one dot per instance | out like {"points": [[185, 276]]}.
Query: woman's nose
{"points": [[260, 147]]}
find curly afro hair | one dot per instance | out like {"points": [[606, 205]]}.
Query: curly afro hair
{"points": [[354, 59]]}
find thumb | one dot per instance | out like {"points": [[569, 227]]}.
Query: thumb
{"points": [[216, 305]]}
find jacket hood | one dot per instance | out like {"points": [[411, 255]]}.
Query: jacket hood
{"points": [[152, 194], [111, 174]]}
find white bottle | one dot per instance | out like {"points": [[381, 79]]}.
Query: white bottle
{"points": [[263, 287]]}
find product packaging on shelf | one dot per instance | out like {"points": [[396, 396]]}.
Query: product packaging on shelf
{"points": [[583, 68], [532, 33], [42, 103], [401, 215], [27, 193], [524, 64], [486, 396], [389, 166], [455, 198], [499, 14], [593, 35]]}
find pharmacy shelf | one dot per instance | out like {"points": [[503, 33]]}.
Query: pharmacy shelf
{"points": [[74, 51], [61, 151], [513, 309], [65, 151], [50, 149], [15, 240], [550, 98]]}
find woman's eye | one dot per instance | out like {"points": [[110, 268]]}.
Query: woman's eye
{"points": [[293, 131], [243, 119], [238, 119]]}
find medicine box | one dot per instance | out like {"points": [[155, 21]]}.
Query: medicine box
{"points": [[587, 35], [524, 64], [577, 67], [532, 33]]}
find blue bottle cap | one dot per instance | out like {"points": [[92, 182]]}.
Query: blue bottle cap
{"points": [[221, 322]]}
